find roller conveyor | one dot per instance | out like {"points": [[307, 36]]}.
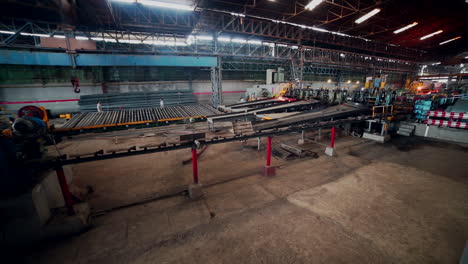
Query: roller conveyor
{"points": [[90, 120]]}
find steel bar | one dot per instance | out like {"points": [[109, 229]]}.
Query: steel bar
{"points": [[111, 118]]}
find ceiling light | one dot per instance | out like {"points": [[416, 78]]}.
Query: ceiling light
{"points": [[224, 39], [7, 32], [313, 4], [237, 14], [432, 34], [209, 38], [159, 4], [34, 35], [405, 28], [349, 81], [254, 42], [81, 38], [59, 36], [357, 82], [166, 5], [450, 40], [238, 40], [329, 81], [367, 16]]}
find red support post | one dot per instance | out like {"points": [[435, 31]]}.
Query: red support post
{"points": [[67, 197], [268, 158], [195, 165], [332, 139]]}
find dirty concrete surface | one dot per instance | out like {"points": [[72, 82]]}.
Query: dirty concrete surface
{"points": [[402, 202]]}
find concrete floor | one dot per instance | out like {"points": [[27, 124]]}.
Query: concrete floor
{"points": [[403, 202]]}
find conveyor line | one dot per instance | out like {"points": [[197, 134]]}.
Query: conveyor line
{"points": [[90, 120]]}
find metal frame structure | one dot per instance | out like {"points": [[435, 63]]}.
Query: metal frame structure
{"points": [[267, 51]]}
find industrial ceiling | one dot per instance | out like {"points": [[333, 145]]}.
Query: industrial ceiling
{"points": [[447, 18]]}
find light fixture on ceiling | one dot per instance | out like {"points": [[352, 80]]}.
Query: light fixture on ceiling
{"points": [[160, 4], [368, 15], [349, 81], [431, 35], [405, 27], [329, 81], [357, 82], [450, 40], [313, 4]]}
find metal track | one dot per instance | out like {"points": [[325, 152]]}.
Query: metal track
{"points": [[61, 161], [90, 120]]}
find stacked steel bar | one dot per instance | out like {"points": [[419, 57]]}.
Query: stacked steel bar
{"points": [[135, 116], [118, 101]]}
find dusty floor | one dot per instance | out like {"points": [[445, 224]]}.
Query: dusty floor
{"points": [[403, 202]]}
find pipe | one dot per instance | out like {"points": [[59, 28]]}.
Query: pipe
{"points": [[65, 190], [195, 165], [332, 139], [268, 159]]}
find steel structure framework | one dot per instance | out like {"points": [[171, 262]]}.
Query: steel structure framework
{"points": [[267, 51]]}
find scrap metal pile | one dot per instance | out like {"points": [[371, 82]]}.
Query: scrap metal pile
{"points": [[89, 120]]}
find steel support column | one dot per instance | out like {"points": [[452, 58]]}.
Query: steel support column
{"points": [[67, 197], [195, 165]]}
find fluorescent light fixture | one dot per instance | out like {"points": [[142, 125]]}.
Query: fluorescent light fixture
{"points": [[313, 4], [329, 81], [159, 4], [450, 40], [238, 40], [357, 82], [105, 39], [349, 81], [130, 41], [237, 14], [224, 39], [7, 32], [209, 38], [367, 16], [166, 5], [34, 35], [436, 63], [405, 28], [432, 34], [81, 38], [59, 36], [165, 43], [254, 42], [319, 29]]}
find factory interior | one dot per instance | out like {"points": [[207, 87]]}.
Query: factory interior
{"points": [[244, 131]]}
